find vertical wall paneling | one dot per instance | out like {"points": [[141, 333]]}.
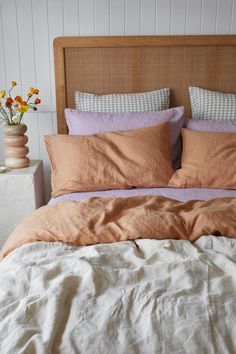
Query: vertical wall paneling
{"points": [[178, 16], [147, 17], [209, 11], [132, 17], [233, 18], [10, 38], [101, 17], [223, 18], [71, 17], [41, 47], [28, 27], [193, 16], [163, 16], [54, 123], [86, 17], [55, 29], [117, 17], [3, 82], [26, 45]]}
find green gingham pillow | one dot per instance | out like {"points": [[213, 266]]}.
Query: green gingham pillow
{"points": [[122, 102], [207, 104]]}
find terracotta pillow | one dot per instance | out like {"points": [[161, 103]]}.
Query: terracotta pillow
{"points": [[111, 160], [208, 160]]}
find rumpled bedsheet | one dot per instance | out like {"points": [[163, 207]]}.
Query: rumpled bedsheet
{"points": [[107, 220], [130, 297]]}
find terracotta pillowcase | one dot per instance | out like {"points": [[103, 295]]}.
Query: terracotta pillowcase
{"points": [[111, 160], [208, 160]]}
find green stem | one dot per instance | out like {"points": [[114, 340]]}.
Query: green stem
{"points": [[9, 92], [4, 120], [4, 113], [28, 99], [11, 114], [21, 116]]}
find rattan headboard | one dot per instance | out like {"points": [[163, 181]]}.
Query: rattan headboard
{"points": [[143, 63]]}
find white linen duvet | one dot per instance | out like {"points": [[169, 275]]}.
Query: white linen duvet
{"points": [[146, 296]]}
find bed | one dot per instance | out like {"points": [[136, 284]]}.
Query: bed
{"points": [[161, 282]]}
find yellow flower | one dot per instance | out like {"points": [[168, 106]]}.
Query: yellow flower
{"points": [[32, 90], [23, 108], [2, 93], [13, 83], [29, 94]]}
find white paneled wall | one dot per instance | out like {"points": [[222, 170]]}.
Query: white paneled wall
{"points": [[28, 27]]}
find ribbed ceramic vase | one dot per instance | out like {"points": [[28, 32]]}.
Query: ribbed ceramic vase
{"points": [[15, 149]]}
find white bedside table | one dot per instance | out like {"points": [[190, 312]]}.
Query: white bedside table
{"points": [[21, 192]]}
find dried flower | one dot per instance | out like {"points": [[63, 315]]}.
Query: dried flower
{"points": [[18, 99], [2, 93], [17, 107], [37, 101], [23, 108], [9, 102]]}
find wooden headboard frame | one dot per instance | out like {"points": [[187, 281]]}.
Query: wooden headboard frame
{"points": [[142, 63]]}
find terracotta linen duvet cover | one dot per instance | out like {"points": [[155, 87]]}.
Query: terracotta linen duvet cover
{"points": [[151, 295], [107, 220]]}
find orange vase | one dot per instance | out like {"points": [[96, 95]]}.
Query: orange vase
{"points": [[15, 149]]}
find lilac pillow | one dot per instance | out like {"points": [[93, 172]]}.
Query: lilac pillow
{"points": [[211, 125], [88, 123]]}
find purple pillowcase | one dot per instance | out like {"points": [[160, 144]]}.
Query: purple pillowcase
{"points": [[211, 125], [88, 123]]}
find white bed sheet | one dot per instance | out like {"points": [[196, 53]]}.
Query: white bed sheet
{"points": [[161, 297]]}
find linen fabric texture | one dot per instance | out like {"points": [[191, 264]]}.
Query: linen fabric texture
{"points": [[87, 123], [151, 296], [123, 102], [208, 160], [211, 125], [109, 220], [206, 104], [111, 160]]}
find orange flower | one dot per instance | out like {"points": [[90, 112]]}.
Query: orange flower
{"points": [[9, 102], [18, 99], [29, 94], [13, 83], [37, 101], [32, 90]]}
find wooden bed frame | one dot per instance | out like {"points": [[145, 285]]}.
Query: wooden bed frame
{"points": [[142, 63]]}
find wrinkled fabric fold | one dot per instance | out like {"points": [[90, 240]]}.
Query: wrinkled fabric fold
{"points": [[151, 296], [107, 220]]}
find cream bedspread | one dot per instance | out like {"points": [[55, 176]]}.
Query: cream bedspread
{"points": [[147, 296]]}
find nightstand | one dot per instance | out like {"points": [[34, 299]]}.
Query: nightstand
{"points": [[21, 192]]}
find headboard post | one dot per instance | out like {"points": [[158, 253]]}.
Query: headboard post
{"points": [[142, 63], [59, 59]]}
